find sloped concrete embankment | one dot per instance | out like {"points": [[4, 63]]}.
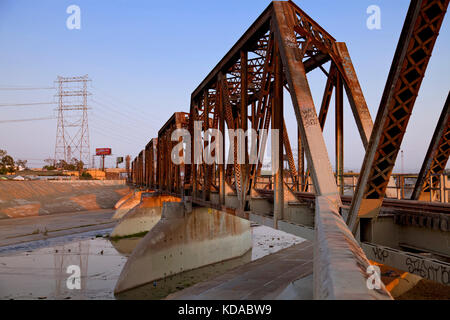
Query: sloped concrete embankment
{"points": [[143, 217], [20, 199], [181, 242], [126, 203]]}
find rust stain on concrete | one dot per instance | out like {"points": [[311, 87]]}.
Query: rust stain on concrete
{"points": [[27, 210], [87, 201]]}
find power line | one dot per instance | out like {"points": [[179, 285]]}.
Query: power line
{"points": [[25, 104], [24, 88], [115, 137], [29, 119], [129, 129], [131, 137], [130, 115], [133, 108]]}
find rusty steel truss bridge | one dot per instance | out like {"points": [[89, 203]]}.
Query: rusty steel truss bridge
{"points": [[377, 220]]}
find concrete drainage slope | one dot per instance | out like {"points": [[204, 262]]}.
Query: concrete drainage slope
{"points": [[31, 198]]}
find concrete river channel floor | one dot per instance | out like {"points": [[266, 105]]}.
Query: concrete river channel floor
{"points": [[35, 253]]}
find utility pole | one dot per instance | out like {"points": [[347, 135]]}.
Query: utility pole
{"points": [[127, 166], [103, 162], [403, 163], [72, 133]]}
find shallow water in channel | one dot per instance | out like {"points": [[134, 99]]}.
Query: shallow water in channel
{"points": [[38, 269]]}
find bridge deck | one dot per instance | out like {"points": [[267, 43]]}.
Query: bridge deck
{"points": [[265, 278]]}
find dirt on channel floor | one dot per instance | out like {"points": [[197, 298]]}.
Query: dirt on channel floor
{"points": [[426, 290], [407, 286]]}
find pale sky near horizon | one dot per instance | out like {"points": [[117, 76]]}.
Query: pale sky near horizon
{"points": [[146, 57]]}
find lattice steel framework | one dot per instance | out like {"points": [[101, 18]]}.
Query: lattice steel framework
{"points": [[437, 155], [246, 90], [169, 174], [72, 133], [419, 34], [151, 176]]}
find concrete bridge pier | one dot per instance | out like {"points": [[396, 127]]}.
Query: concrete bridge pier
{"points": [[183, 241], [143, 217]]}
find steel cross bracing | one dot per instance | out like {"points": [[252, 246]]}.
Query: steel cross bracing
{"points": [[168, 175], [237, 90], [151, 176], [419, 34], [437, 155], [246, 90]]}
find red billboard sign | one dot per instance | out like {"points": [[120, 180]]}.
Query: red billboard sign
{"points": [[103, 151]]}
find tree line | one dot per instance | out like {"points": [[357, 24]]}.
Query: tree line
{"points": [[8, 165]]}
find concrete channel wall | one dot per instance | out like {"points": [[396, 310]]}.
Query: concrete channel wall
{"points": [[340, 265], [31, 198]]}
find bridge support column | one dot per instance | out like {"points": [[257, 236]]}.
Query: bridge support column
{"points": [[339, 127], [277, 141], [222, 190]]}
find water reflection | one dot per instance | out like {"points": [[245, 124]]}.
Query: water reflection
{"points": [[42, 273], [68, 260], [126, 245], [162, 288]]}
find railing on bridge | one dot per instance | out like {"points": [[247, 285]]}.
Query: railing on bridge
{"points": [[402, 188]]}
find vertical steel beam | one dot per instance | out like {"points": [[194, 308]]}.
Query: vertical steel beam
{"points": [[289, 155], [205, 143], [316, 151], [156, 162], [132, 172], [193, 115], [437, 155], [339, 133], [147, 166], [277, 124], [244, 125], [411, 58], [301, 162], [221, 107]]}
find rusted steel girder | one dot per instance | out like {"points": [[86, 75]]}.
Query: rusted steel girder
{"points": [[169, 174], [127, 167], [278, 124], [339, 133], [202, 177], [411, 58], [133, 171], [245, 78], [140, 168], [150, 163], [437, 155], [355, 95], [316, 152]]}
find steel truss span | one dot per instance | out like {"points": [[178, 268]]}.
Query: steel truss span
{"points": [[246, 90]]}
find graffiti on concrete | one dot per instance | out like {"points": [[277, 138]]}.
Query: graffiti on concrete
{"points": [[380, 254], [428, 271]]}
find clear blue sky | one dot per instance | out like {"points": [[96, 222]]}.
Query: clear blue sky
{"points": [[146, 57]]}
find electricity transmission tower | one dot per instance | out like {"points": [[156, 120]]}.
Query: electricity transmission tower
{"points": [[72, 133]]}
